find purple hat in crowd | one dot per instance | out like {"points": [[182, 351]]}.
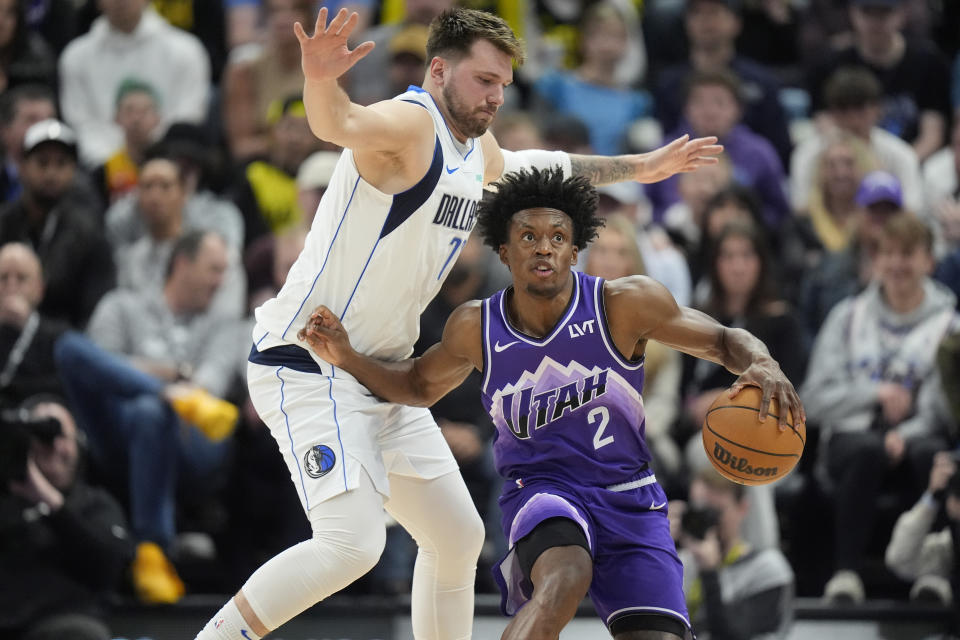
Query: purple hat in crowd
{"points": [[879, 186]]}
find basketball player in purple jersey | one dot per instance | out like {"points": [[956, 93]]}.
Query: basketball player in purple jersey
{"points": [[562, 358]]}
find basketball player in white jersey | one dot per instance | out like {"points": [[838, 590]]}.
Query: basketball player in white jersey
{"points": [[400, 205]]}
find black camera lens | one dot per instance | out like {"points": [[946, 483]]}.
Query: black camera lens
{"points": [[697, 520]]}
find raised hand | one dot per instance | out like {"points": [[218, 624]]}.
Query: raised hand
{"points": [[325, 55], [680, 156], [326, 336]]}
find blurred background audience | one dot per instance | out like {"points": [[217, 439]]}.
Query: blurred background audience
{"points": [[159, 178]]}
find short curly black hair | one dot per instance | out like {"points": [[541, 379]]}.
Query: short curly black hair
{"points": [[536, 188]]}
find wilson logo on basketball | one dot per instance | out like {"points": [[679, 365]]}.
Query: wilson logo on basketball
{"points": [[740, 465]]}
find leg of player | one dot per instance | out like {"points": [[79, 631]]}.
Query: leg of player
{"points": [[561, 577], [440, 516], [348, 538], [555, 557]]}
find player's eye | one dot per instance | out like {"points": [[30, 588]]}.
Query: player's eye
{"points": [[527, 236]]}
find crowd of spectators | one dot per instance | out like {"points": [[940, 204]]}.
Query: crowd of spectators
{"points": [[159, 177]]}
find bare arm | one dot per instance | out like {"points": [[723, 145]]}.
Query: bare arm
{"points": [[419, 382], [680, 156], [386, 127], [644, 310]]}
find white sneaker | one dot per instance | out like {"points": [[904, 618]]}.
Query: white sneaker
{"points": [[844, 587], [930, 588]]}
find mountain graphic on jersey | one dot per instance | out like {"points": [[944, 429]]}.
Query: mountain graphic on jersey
{"points": [[555, 391]]}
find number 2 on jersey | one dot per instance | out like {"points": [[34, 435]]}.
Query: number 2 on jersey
{"points": [[456, 242], [598, 439]]}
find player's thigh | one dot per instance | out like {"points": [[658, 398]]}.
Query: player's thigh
{"points": [[324, 428], [638, 577], [438, 510], [556, 548], [412, 445]]}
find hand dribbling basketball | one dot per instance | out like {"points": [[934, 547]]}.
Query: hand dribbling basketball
{"points": [[747, 449]]}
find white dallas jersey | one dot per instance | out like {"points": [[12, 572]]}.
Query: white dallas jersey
{"points": [[377, 260]]}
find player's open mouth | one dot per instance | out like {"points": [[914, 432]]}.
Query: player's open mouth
{"points": [[543, 270]]}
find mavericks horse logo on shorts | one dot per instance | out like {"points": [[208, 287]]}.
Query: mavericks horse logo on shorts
{"points": [[319, 460]]}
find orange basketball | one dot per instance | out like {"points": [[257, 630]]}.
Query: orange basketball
{"points": [[746, 450]]}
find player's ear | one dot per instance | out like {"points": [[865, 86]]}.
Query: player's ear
{"points": [[436, 69], [502, 254], [573, 258]]}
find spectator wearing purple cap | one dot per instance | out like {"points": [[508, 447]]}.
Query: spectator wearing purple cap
{"points": [[873, 388], [914, 75], [880, 189], [846, 272], [853, 98]]}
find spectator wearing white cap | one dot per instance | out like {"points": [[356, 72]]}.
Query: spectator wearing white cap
{"points": [[74, 254], [312, 180]]}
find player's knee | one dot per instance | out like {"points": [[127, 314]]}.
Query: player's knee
{"points": [[358, 546], [468, 540]]}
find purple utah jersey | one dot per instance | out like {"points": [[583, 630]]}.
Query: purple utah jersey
{"points": [[570, 426], [567, 406]]}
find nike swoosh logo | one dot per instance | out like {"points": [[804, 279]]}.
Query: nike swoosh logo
{"points": [[454, 170], [503, 347], [657, 507], [243, 632]]}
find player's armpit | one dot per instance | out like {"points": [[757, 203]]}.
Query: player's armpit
{"points": [[492, 158]]}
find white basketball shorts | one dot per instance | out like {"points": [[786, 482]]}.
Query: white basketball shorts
{"points": [[328, 429]]}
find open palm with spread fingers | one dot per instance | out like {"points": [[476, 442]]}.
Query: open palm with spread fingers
{"points": [[325, 55], [680, 156]]}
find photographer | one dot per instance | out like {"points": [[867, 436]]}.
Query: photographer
{"points": [[63, 543], [733, 592], [917, 552]]}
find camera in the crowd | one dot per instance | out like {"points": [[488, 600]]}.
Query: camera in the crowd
{"points": [[18, 428], [697, 520]]}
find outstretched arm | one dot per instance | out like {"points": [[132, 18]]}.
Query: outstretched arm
{"points": [[419, 382], [645, 306], [680, 156], [325, 57]]}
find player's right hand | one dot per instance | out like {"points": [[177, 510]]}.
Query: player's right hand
{"points": [[326, 336], [325, 55]]}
